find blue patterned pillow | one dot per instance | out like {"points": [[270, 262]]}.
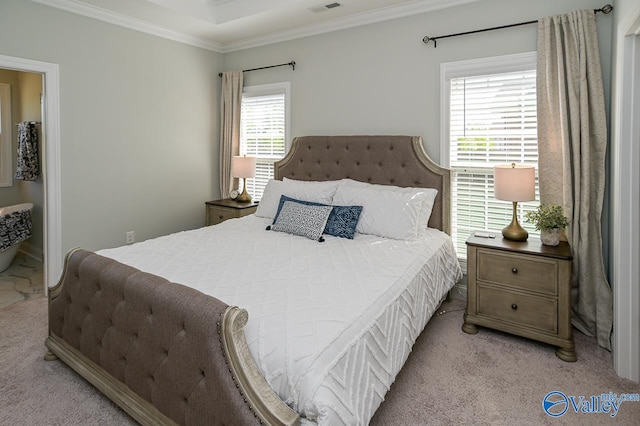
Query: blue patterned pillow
{"points": [[302, 219], [342, 221]]}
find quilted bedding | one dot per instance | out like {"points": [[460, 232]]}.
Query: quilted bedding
{"points": [[330, 324]]}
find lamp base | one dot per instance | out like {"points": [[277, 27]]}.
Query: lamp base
{"points": [[514, 231], [245, 197]]}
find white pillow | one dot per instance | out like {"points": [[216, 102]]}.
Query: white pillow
{"points": [[425, 211], [314, 188], [385, 212], [316, 192]]}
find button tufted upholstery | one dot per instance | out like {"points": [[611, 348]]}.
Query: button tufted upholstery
{"points": [[158, 338], [387, 160]]}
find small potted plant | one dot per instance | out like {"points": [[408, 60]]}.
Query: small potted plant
{"points": [[548, 219]]}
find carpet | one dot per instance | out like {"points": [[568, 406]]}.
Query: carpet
{"points": [[491, 378], [38, 392]]}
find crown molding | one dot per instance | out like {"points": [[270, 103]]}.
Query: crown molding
{"points": [[364, 18], [114, 18]]}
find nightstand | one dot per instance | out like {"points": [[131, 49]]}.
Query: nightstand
{"points": [[218, 211], [521, 288]]}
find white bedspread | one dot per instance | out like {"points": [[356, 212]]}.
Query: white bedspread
{"points": [[330, 324]]}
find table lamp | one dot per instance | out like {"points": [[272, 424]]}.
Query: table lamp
{"points": [[243, 167], [514, 182]]}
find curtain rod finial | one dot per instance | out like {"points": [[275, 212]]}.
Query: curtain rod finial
{"points": [[427, 39]]}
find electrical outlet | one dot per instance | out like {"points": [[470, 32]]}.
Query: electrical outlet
{"points": [[131, 238]]}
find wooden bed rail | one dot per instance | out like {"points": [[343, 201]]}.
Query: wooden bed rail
{"points": [[252, 384]]}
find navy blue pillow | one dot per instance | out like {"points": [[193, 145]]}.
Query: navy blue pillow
{"points": [[342, 221]]}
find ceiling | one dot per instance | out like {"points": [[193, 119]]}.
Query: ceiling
{"points": [[228, 25]]}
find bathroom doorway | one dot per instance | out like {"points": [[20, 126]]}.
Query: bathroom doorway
{"points": [[43, 79], [21, 273]]}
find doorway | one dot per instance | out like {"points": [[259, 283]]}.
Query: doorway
{"points": [[21, 186], [50, 161]]}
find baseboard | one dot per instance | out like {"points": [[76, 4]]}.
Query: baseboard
{"points": [[32, 251]]}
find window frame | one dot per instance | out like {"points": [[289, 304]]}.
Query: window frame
{"points": [[273, 89], [469, 68]]}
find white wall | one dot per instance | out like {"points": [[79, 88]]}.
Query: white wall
{"points": [[382, 79], [139, 123]]}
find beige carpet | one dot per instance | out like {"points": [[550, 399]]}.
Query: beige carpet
{"points": [[450, 378]]}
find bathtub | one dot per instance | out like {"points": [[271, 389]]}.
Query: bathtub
{"points": [[7, 255]]}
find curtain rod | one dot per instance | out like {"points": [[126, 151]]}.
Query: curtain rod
{"points": [[292, 64], [606, 9]]}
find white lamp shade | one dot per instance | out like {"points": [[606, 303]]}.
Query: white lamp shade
{"points": [[514, 182], [243, 167]]}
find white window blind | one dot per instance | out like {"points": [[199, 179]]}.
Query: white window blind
{"points": [[492, 120], [262, 134]]}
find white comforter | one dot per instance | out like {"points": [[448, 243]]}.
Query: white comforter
{"points": [[330, 324]]}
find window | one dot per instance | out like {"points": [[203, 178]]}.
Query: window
{"points": [[6, 140], [490, 118], [264, 130]]}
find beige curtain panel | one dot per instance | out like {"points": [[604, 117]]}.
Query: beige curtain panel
{"points": [[230, 107], [572, 142]]}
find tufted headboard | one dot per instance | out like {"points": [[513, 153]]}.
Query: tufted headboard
{"points": [[386, 160]]}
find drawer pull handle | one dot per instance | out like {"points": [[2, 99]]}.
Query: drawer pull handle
{"points": [[514, 270], [514, 306]]}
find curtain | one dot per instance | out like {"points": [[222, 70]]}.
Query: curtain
{"points": [[230, 105], [572, 142]]}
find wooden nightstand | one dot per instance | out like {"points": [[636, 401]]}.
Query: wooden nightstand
{"points": [[220, 210], [521, 288]]}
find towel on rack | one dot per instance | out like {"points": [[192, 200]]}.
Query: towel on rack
{"points": [[14, 228], [28, 167]]}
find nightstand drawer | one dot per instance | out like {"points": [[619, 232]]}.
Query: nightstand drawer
{"points": [[531, 311], [518, 271], [220, 214]]}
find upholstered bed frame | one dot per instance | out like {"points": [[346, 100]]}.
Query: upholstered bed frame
{"points": [[385, 160], [168, 354]]}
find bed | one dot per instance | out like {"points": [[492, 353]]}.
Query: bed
{"points": [[324, 325]]}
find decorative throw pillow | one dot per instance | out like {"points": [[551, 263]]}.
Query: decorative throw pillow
{"points": [[342, 221], [301, 219]]}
